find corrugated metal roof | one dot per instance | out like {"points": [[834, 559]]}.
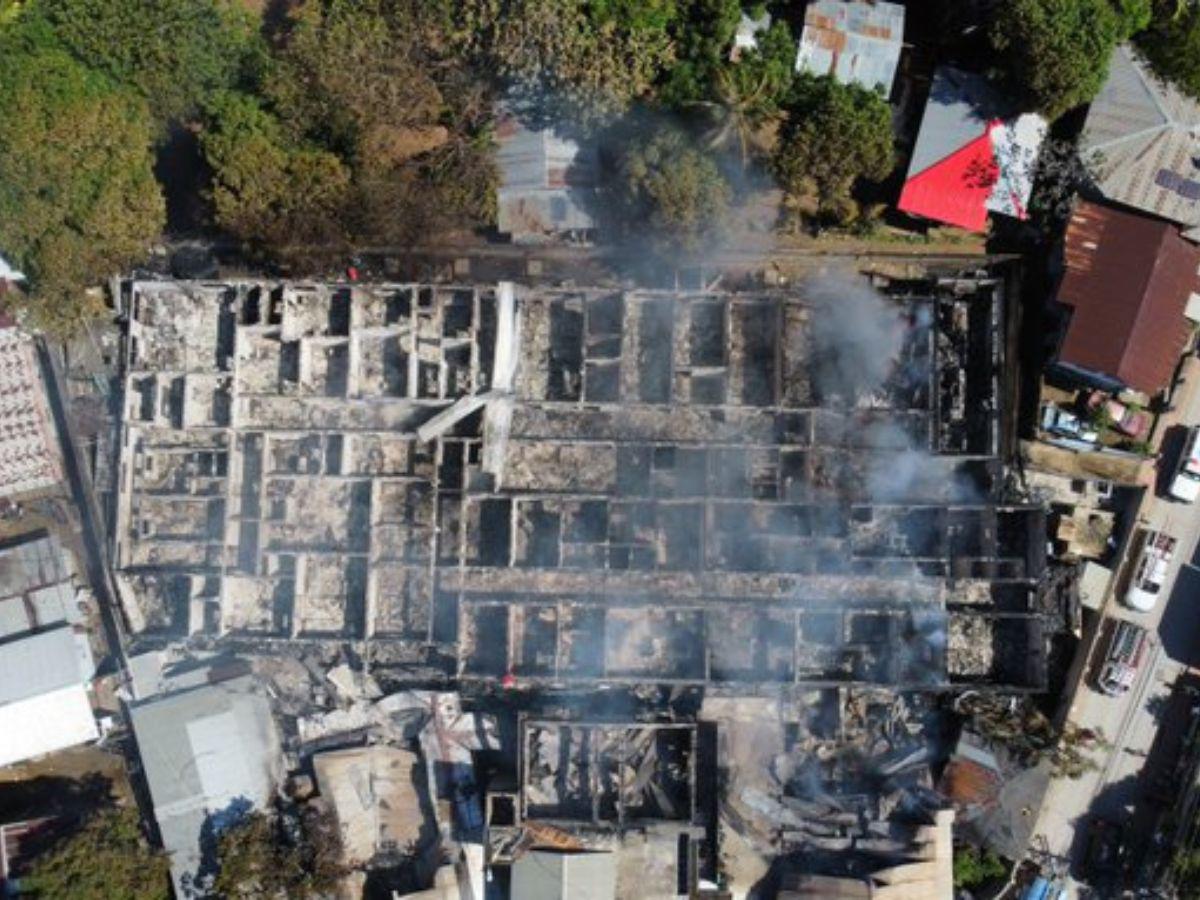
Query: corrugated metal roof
{"points": [[545, 181], [207, 752], [41, 663], [1142, 135], [973, 155], [853, 41], [1127, 280]]}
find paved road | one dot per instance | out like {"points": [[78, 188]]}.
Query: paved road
{"points": [[1130, 722]]}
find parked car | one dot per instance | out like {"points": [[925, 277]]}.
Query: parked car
{"points": [[1151, 571], [1126, 419], [1185, 485], [1063, 423], [1126, 650]]}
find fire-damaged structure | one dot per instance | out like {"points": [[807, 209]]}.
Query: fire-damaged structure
{"points": [[568, 486]]}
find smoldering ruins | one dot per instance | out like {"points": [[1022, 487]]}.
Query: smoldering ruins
{"points": [[573, 486], [702, 561]]}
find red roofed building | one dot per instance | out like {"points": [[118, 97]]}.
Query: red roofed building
{"points": [[1127, 281], [973, 156]]}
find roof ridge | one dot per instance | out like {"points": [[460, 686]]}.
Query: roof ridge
{"points": [[1167, 231]]}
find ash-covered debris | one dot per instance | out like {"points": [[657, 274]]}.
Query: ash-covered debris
{"points": [[576, 485]]}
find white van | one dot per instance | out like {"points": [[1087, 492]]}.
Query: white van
{"points": [[1126, 651], [1185, 485], [1151, 572]]}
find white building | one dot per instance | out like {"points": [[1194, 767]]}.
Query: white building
{"points": [[44, 702]]}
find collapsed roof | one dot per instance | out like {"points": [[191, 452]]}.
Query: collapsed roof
{"points": [[582, 485]]}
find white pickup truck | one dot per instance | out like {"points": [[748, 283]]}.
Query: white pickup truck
{"points": [[1151, 572], [1185, 485]]}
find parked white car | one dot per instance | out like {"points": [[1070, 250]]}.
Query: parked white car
{"points": [[1185, 485], [1151, 571], [1064, 423]]}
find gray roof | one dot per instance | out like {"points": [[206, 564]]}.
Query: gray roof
{"points": [[207, 751], [545, 181], [30, 564], [1142, 136], [40, 663], [960, 106], [548, 875]]}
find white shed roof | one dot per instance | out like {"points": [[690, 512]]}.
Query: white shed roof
{"points": [[46, 723]]}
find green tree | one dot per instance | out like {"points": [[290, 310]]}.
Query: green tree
{"points": [[703, 37], [973, 868], [1055, 53], [749, 94], [1172, 44], [256, 860], [267, 190], [836, 136], [671, 192], [561, 60], [380, 104], [78, 199], [106, 859], [174, 51]]}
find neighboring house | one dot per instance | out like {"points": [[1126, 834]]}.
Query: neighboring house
{"points": [[29, 457], [546, 184], [854, 41], [210, 753], [44, 700], [555, 875], [1140, 140], [974, 154], [1126, 286]]}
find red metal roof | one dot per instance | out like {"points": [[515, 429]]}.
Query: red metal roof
{"points": [[1127, 280], [956, 189]]}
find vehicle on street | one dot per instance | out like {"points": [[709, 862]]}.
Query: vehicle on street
{"points": [[1185, 485], [1126, 650], [1151, 571]]}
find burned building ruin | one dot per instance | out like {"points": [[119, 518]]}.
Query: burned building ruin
{"points": [[569, 486]]}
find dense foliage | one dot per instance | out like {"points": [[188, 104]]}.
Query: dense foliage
{"points": [[569, 59], [106, 859], [1172, 44], [78, 198], [1055, 53], [257, 860], [836, 136], [973, 867], [174, 53], [670, 192]]}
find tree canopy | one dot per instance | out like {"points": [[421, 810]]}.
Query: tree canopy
{"points": [[257, 861], [1055, 53], [269, 190], [670, 191], [174, 53], [1172, 44], [569, 59], [106, 859], [836, 135], [78, 198]]}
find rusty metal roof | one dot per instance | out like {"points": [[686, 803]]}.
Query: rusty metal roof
{"points": [[854, 41], [1127, 280]]}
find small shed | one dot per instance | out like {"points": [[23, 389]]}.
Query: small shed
{"points": [[855, 41], [547, 181]]}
